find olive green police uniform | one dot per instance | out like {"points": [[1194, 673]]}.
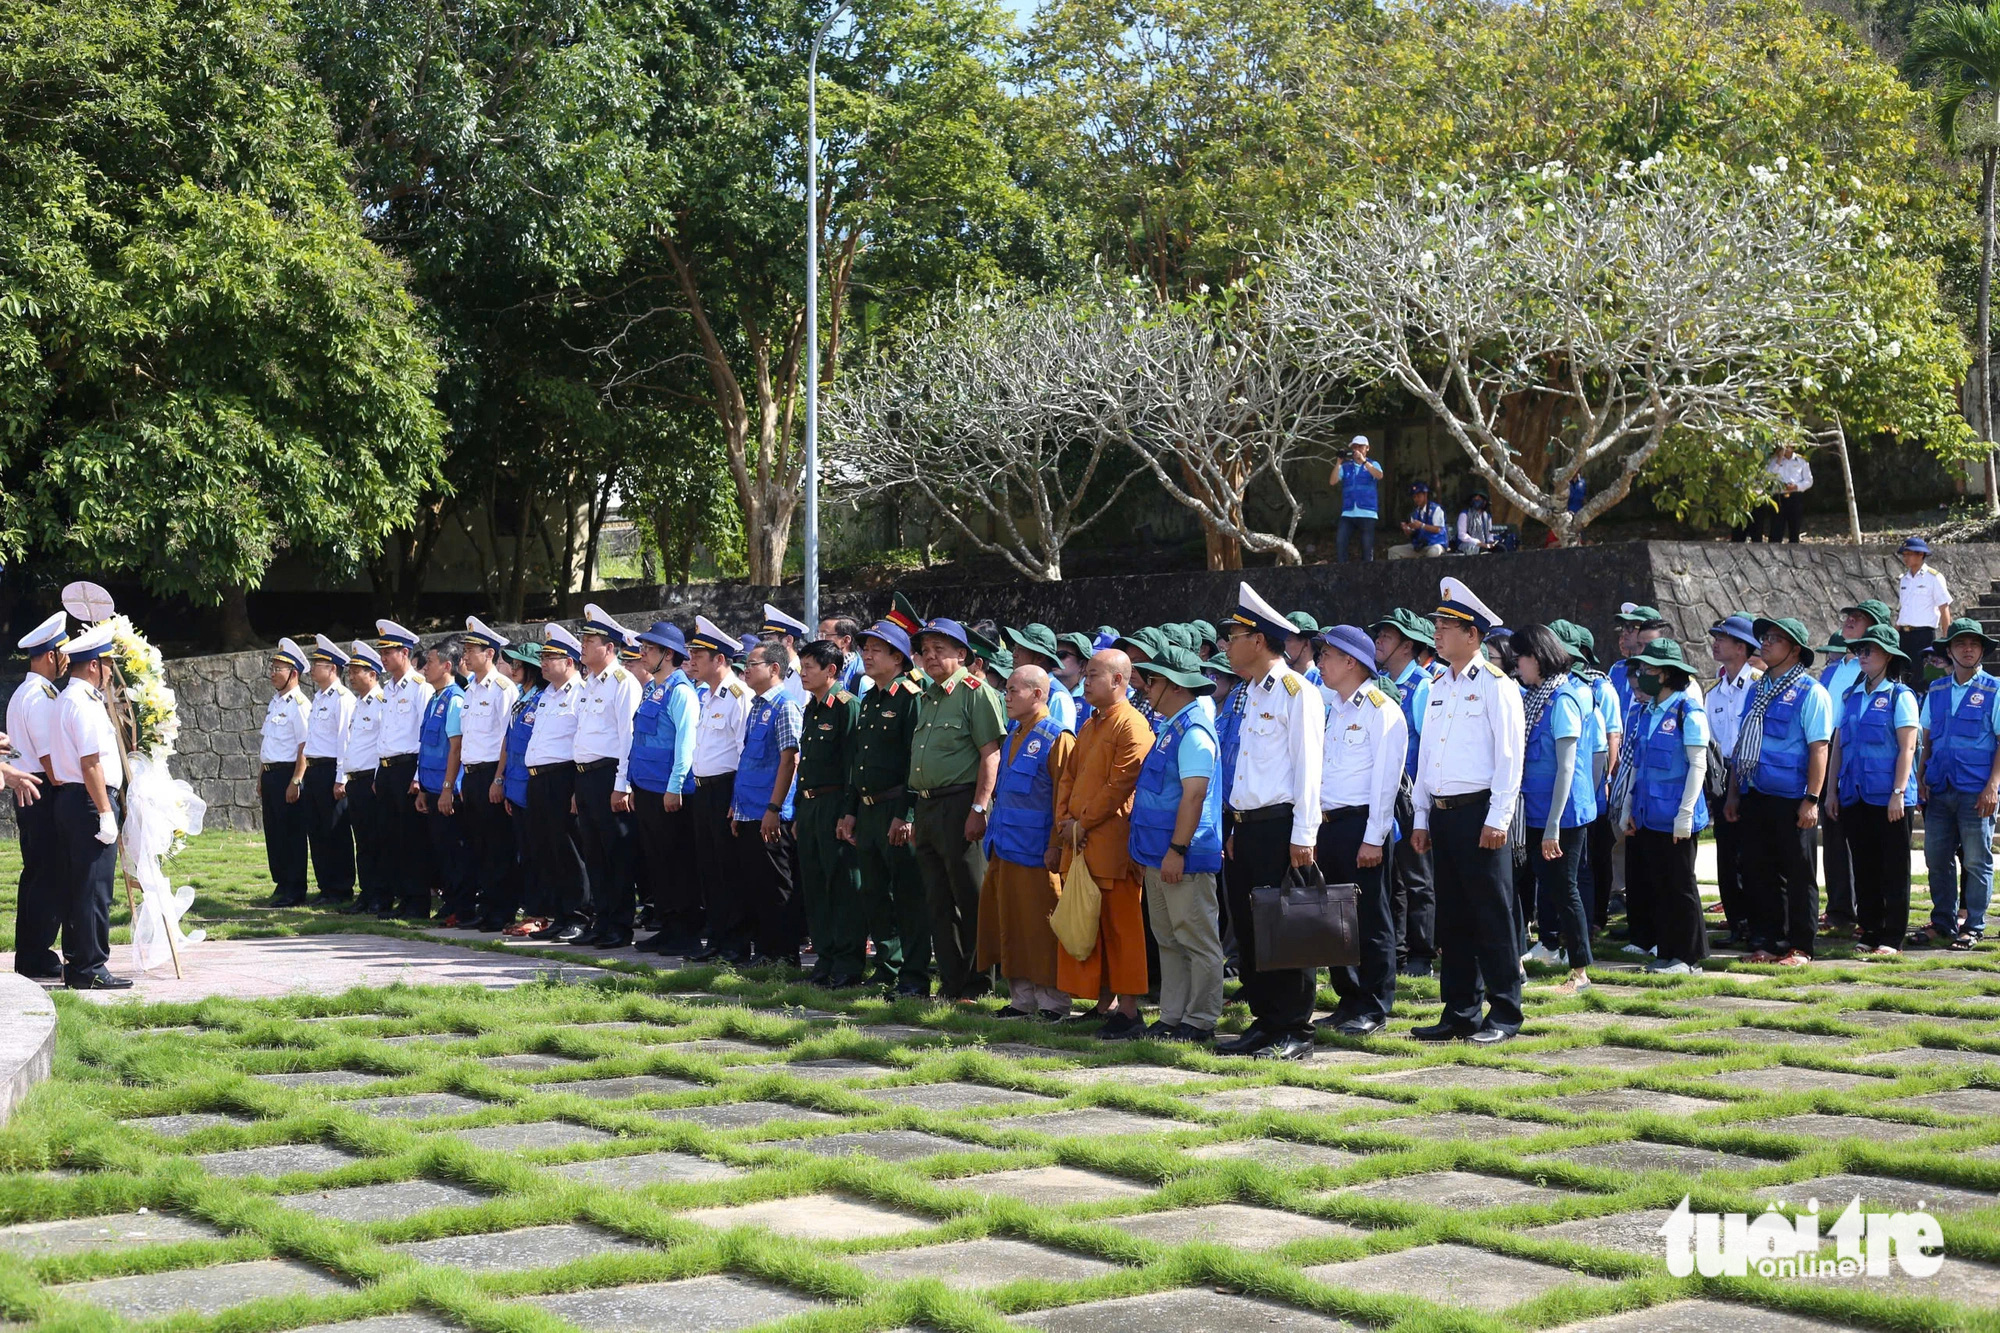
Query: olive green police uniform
{"points": [[892, 890], [826, 864], [959, 719]]}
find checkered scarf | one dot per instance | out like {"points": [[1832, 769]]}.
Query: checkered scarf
{"points": [[1532, 708], [1750, 740]]}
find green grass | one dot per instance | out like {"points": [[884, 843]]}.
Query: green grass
{"points": [[110, 1068]]}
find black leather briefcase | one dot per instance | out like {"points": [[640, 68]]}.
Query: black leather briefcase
{"points": [[1306, 922]]}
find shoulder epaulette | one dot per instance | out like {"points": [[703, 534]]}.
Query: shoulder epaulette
{"points": [[620, 673], [1491, 669], [842, 697], [1292, 684], [49, 691], [737, 689], [1376, 697]]}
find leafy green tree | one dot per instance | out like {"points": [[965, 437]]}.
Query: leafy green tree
{"points": [[1956, 48], [203, 361]]}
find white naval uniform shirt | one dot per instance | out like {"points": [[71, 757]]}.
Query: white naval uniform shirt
{"points": [[31, 719], [364, 733], [1366, 742], [1475, 736], [83, 728], [604, 722], [284, 727], [1725, 703], [553, 739], [718, 739], [1281, 748], [1920, 596], [488, 709], [1793, 471], [403, 704], [327, 725]]}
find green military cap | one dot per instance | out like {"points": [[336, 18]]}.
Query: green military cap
{"points": [[527, 652], [1179, 666], [1964, 625], [1792, 628], [1881, 637], [1036, 638], [1303, 623], [1410, 625], [1576, 638], [1080, 644], [984, 647], [904, 615], [1874, 608], [1645, 617], [1204, 632], [1148, 641], [1664, 653]]}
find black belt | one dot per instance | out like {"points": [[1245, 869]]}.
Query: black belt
{"points": [[811, 793], [282, 763], [318, 760], [1462, 799], [883, 797], [939, 793], [591, 766], [536, 770], [389, 760], [1343, 812], [1264, 814], [714, 778]]}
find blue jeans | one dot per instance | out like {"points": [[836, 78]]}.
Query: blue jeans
{"points": [[1354, 524], [1952, 830]]}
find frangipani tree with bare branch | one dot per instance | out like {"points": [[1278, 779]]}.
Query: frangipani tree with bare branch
{"points": [[1664, 298]]}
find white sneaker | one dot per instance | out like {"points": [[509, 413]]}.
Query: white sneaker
{"points": [[1543, 954], [1635, 950]]}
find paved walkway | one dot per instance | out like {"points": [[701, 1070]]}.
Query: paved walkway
{"points": [[322, 965]]}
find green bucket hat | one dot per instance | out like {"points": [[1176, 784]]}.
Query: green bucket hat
{"points": [[1036, 638], [1303, 623], [1834, 644], [1178, 635], [1664, 653], [999, 663], [1580, 641], [1148, 641], [1203, 632], [1874, 608], [1878, 636], [1792, 628], [1181, 667], [1080, 644], [1409, 624], [527, 653], [1642, 616], [1964, 625]]}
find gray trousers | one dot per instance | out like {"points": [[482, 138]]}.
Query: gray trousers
{"points": [[1183, 916]]}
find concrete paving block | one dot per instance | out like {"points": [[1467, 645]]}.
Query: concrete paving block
{"points": [[1278, 1154], [411, 1322], [822, 1071], [204, 1291], [1617, 1101], [1461, 1191], [1131, 1076], [1793, 1078], [1456, 1275], [813, 1217], [1879, 1194], [618, 1089], [1283, 1097], [180, 1126], [1703, 1316], [532, 1062], [969, 1265], [321, 1078], [1053, 1186], [418, 1106], [1193, 1310], [1604, 1057], [1628, 1233], [119, 1231], [1825, 1128], [1635, 1155], [276, 1160], [697, 1305], [1091, 1122], [1456, 1125], [1479, 1078], [719, 1046], [531, 1137], [530, 1247], [1236, 1225], [950, 1096], [383, 1203], [889, 1145], [1981, 1102], [741, 1115], [652, 1168]]}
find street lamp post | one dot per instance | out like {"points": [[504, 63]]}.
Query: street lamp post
{"points": [[812, 321]]}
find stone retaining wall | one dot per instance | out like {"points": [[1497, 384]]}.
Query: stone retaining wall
{"points": [[1693, 583]]}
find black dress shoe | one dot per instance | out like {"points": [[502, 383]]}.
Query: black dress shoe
{"points": [[1252, 1040], [913, 990], [1359, 1027], [359, 907], [1162, 1031], [1491, 1036], [1121, 1027], [99, 980], [1051, 1015], [611, 939], [1416, 967], [841, 981], [492, 925], [50, 974], [708, 955], [1188, 1032], [651, 944], [1292, 1047], [286, 900], [1333, 1020], [1442, 1032], [570, 934], [1009, 1011]]}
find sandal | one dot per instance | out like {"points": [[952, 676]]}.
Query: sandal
{"points": [[1794, 959], [1760, 956], [1964, 943], [1926, 938]]}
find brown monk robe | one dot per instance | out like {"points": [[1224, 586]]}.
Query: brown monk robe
{"points": [[1016, 897], [1095, 800]]}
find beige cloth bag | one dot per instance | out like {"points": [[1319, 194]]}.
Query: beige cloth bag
{"points": [[1075, 918]]}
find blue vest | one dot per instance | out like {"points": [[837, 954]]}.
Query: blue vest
{"points": [[1156, 803], [1620, 676], [1962, 743], [1229, 737], [757, 770], [1024, 801], [1083, 708], [652, 756], [433, 746], [1781, 761], [1868, 746], [519, 727], [1357, 489], [1538, 767], [1663, 766], [1414, 682]]}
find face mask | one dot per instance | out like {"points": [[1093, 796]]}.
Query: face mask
{"points": [[1649, 681]]}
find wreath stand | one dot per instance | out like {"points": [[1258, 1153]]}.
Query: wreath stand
{"points": [[128, 733]]}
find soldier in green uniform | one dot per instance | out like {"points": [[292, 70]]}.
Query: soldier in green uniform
{"points": [[954, 764], [879, 810], [827, 870]]}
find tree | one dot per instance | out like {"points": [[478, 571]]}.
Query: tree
{"points": [[1005, 412], [1956, 48], [1664, 299], [202, 359]]}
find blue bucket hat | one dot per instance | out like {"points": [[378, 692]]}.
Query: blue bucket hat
{"points": [[1917, 544], [1350, 639], [665, 634], [1740, 627], [892, 634], [950, 629]]}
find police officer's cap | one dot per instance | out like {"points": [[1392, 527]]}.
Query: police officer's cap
{"points": [[596, 621], [365, 655], [388, 634], [326, 650], [479, 632], [51, 633], [288, 653], [95, 642], [777, 622], [1256, 613], [707, 634], [1457, 602], [557, 640]]}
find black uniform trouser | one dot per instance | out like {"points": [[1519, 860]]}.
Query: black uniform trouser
{"points": [[87, 868], [1729, 866], [1412, 894], [1880, 850], [489, 845], [1915, 643], [892, 894], [558, 857], [1599, 842], [365, 817], [1837, 869], [451, 857], [1664, 869], [1281, 1001], [327, 833], [953, 869], [762, 912], [1559, 906], [525, 883], [609, 845], [1479, 935], [709, 830], [406, 847], [1777, 872], [38, 911], [284, 833], [1368, 990], [668, 877], [829, 888]]}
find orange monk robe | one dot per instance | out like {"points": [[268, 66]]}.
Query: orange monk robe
{"points": [[1096, 792], [1015, 900]]}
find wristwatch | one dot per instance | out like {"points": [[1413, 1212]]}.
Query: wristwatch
{"points": [[1178, 848], [1812, 796], [775, 808], [978, 809]]}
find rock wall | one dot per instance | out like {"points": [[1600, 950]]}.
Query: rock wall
{"points": [[1693, 583]]}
